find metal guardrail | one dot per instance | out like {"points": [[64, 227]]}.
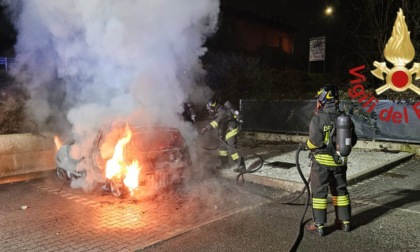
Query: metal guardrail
{"points": [[7, 62]]}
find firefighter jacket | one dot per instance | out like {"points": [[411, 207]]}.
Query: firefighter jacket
{"points": [[319, 134], [226, 124]]}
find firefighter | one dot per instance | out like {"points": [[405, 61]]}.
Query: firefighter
{"points": [[326, 169], [226, 119]]}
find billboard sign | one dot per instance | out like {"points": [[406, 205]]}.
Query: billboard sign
{"points": [[317, 49]]}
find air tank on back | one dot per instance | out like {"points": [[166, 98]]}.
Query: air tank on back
{"points": [[343, 135]]}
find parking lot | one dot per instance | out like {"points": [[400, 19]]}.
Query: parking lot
{"points": [[49, 215], [45, 215]]}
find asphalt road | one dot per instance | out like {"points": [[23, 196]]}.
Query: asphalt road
{"points": [[386, 217], [210, 214]]}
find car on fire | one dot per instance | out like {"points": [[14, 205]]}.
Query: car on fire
{"points": [[158, 155]]}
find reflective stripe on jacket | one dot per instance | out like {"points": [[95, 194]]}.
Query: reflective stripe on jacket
{"points": [[226, 123], [319, 129]]}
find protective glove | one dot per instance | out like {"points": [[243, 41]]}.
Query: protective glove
{"points": [[203, 130]]}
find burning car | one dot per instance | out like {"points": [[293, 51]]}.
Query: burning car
{"points": [[137, 159], [66, 166]]}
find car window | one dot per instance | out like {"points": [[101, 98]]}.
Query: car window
{"points": [[153, 140]]}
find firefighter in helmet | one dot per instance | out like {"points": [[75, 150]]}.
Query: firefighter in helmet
{"points": [[326, 170], [226, 119]]}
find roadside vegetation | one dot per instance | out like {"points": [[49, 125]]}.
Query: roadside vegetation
{"points": [[12, 102]]}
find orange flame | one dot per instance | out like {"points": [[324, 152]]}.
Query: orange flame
{"points": [[132, 175], [57, 142], [116, 167]]}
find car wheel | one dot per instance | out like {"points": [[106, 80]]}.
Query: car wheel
{"points": [[117, 188], [62, 174]]}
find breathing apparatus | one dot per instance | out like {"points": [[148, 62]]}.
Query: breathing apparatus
{"points": [[343, 138], [234, 113]]}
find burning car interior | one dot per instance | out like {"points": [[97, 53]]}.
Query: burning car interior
{"points": [[133, 160]]}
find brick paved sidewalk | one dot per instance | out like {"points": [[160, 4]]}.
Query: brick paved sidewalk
{"points": [[72, 220]]}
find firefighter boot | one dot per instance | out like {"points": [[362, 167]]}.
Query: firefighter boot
{"points": [[316, 228], [241, 167], [343, 225], [224, 163]]}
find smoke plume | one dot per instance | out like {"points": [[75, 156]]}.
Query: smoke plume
{"points": [[92, 63]]}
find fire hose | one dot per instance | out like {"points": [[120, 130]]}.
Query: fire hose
{"points": [[241, 173], [306, 188], [233, 148], [308, 193]]}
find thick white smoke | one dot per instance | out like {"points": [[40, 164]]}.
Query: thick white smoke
{"points": [[89, 63]]}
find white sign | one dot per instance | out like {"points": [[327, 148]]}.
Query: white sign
{"points": [[317, 49]]}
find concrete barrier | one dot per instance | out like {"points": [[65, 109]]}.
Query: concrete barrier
{"points": [[26, 156]]}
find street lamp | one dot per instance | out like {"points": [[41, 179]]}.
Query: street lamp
{"points": [[329, 10]]}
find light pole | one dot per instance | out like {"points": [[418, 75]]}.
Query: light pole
{"points": [[317, 45], [329, 10]]}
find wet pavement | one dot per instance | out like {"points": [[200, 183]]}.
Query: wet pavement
{"points": [[209, 213]]}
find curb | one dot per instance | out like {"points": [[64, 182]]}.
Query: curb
{"points": [[361, 143], [299, 186], [358, 177], [26, 176], [266, 181]]}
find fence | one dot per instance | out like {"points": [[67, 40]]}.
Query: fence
{"points": [[389, 121], [7, 62]]}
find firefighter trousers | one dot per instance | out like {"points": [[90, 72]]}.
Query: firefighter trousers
{"points": [[335, 178], [230, 149]]}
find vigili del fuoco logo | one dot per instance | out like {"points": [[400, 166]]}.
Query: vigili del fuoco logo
{"points": [[399, 51]]}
